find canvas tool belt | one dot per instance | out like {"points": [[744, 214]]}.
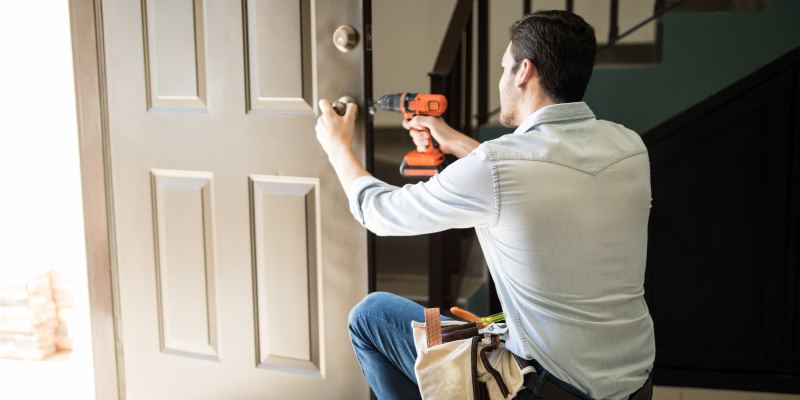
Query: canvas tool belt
{"points": [[456, 361]]}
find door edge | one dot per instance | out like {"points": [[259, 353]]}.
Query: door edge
{"points": [[86, 26]]}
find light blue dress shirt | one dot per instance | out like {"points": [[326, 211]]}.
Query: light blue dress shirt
{"points": [[561, 208]]}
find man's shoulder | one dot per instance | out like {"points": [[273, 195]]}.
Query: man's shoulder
{"points": [[588, 145], [531, 145], [627, 139], [503, 144]]}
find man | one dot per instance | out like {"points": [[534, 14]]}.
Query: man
{"points": [[560, 207]]}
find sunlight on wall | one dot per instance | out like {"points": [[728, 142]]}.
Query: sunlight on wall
{"points": [[41, 216]]}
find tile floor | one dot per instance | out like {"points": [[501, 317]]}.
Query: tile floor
{"points": [[64, 376]]}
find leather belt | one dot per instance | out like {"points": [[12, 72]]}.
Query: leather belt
{"points": [[551, 391]]}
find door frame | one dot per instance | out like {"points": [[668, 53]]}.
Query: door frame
{"points": [[86, 26]]}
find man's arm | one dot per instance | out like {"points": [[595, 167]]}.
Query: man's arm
{"points": [[335, 134], [461, 196]]}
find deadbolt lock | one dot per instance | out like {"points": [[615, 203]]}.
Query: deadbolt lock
{"points": [[345, 38]]}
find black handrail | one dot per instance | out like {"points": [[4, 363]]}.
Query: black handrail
{"points": [[462, 14], [660, 11], [613, 26], [482, 91], [452, 72]]}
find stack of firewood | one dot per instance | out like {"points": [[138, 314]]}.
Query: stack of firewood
{"points": [[65, 307], [28, 319]]}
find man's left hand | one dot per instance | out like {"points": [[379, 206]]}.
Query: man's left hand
{"points": [[335, 133]]}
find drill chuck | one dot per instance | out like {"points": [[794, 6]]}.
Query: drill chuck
{"points": [[412, 104], [393, 102]]}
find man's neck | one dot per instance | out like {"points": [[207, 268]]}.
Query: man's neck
{"points": [[533, 103]]}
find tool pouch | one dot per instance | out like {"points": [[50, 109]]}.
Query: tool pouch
{"points": [[454, 362]]}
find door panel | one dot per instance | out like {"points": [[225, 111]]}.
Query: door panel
{"points": [[279, 55], [237, 257], [174, 40], [185, 269], [286, 229]]}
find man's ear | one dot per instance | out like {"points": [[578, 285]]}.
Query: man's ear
{"points": [[526, 72]]}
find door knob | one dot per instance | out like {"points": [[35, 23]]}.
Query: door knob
{"points": [[345, 38], [340, 106]]}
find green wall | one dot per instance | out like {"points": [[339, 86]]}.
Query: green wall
{"points": [[703, 54]]}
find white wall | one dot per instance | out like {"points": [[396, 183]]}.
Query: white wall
{"points": [[41, 211], [407, 36]]}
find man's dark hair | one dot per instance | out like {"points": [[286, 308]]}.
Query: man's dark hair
{"points": [[562, 47]]}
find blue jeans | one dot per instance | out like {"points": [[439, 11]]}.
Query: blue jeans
{"points": [[380, 331]]}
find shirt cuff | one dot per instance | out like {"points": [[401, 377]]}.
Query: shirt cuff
{"points": [[354, 195]]}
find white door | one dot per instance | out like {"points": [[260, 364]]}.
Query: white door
{"points": [[237, 258]]}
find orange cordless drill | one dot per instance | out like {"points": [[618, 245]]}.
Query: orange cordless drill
{"points": [[418, 163]]}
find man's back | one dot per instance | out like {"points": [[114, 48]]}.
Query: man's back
{"points": [[567, 247]]}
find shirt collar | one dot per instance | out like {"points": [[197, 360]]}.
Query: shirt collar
{"points": [[556, 113]]}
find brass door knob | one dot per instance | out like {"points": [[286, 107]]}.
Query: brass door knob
{"points": [[340, 106]]}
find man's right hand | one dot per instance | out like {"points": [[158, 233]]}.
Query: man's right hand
{"points": [[450, 140]]}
